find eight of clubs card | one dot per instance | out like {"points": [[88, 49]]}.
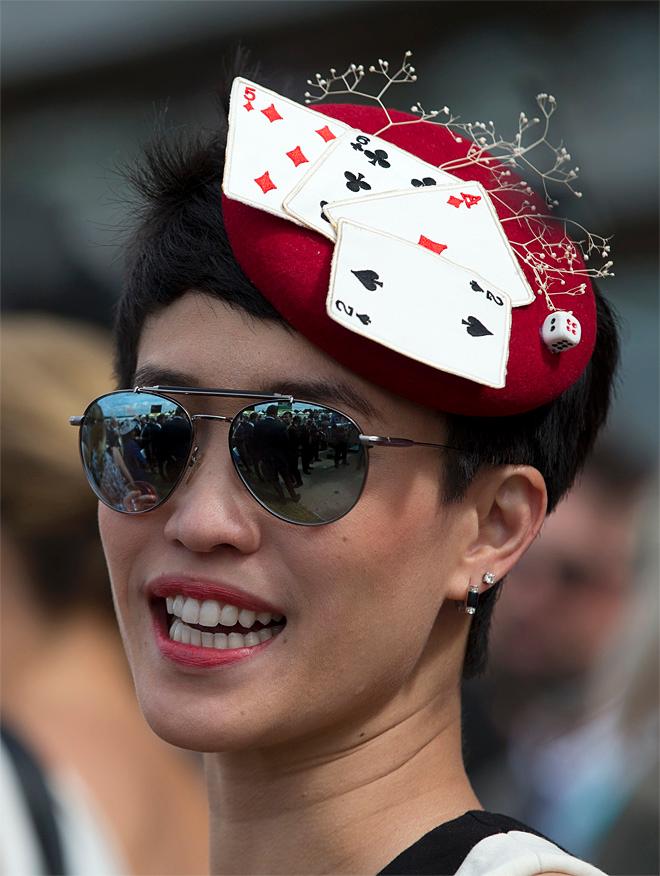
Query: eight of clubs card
{"points": [[353, 166], [457, 222], [403, 296], [271, 143]]}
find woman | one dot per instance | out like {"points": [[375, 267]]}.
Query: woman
{"points": [[313, 648]]}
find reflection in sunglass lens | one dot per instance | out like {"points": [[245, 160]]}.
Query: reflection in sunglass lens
{"points": [[303, 461], [134, 447]]}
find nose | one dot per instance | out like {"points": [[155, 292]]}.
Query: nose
{"points": [[211, 507]]}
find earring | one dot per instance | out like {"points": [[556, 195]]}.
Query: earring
{"points": [[472, 598]]}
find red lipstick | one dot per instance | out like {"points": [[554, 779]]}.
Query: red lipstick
{"points": [[199, 588]]}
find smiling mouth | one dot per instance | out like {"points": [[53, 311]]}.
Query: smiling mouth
{"points": [[211, 624]]}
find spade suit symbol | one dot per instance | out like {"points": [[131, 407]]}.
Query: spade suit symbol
{"points": [[475, 328], [369, 279], [364, 318]]}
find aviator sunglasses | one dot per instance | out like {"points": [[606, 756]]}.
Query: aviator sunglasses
{"points": [[138, 445]]}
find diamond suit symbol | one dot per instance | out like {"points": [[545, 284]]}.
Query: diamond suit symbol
{"points": [[431, 244], [326, 134], [265, 183], [297, 156], [271, 113]]}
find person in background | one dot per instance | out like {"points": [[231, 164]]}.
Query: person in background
{"points": [[547, 728], [118, 799]]}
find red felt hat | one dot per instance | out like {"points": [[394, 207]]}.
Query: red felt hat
{"points": [[290, 265]]}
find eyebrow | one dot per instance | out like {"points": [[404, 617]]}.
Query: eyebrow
{"points": [[317, 390]]}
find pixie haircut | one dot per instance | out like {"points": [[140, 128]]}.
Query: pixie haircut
{"points": [[179, 243]]}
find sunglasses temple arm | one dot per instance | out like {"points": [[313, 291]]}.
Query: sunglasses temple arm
{"points": [[382, 441], [75, 421]]}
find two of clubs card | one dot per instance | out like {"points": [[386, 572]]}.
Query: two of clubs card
{"points": [[403, 296]]}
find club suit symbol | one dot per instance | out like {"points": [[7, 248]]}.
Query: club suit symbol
{"points": [[356, 181], [377, 157]]}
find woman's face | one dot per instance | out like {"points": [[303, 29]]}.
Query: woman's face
{"points": [[361, 595]]}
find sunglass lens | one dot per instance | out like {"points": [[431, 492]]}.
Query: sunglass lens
{"points": [[134, 447], [303, 462]]}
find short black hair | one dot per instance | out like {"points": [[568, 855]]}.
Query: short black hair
{"points": [[180, 244]]}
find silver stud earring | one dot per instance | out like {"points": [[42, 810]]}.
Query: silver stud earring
{"points": [[488, 579]]}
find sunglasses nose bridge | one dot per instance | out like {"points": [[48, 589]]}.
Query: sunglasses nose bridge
{"points": [[196, 453]]}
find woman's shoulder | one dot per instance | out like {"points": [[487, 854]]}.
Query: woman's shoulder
{"points": [[481, 843]]}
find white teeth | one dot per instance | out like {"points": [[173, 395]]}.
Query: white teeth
{"points": [[209, 613], [246, 617], [190, 613], [180, 632], [228, 615]]}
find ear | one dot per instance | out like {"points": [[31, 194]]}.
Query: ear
{"points": [[504, 510]]}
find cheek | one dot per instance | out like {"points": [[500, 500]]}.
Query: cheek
{"points": [[375, 585], [122, 537]]}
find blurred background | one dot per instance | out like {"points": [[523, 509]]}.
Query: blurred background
{"points": [[83, 83]]}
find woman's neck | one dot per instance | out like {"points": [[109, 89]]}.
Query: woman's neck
{"points": [[349, 809]]}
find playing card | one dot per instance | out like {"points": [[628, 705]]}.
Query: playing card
{"points": [[457, 222], [403, 296], [356, 165], [270, 143]]}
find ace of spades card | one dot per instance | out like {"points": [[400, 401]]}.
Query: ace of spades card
{"points": [[353, 166], [403, 296], [271, 142], [457, 222]]}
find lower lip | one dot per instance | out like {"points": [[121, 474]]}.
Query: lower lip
{"points": [[201, 658]]}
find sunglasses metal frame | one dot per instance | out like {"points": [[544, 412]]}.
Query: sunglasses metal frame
{"points": [[368, 441]]}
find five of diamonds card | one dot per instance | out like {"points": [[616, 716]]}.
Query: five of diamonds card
{"points": [[271, 143], [404, 230]]}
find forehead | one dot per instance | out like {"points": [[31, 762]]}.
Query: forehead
{"points": [[211, 344]]}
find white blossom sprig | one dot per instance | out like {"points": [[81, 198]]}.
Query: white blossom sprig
{"points": [[527, 151], [349, 82]]}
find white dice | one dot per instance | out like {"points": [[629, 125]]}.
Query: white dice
{"points": [[561, 331]]}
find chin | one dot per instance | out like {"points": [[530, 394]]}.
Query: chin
{"points": [[209, 723]]}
